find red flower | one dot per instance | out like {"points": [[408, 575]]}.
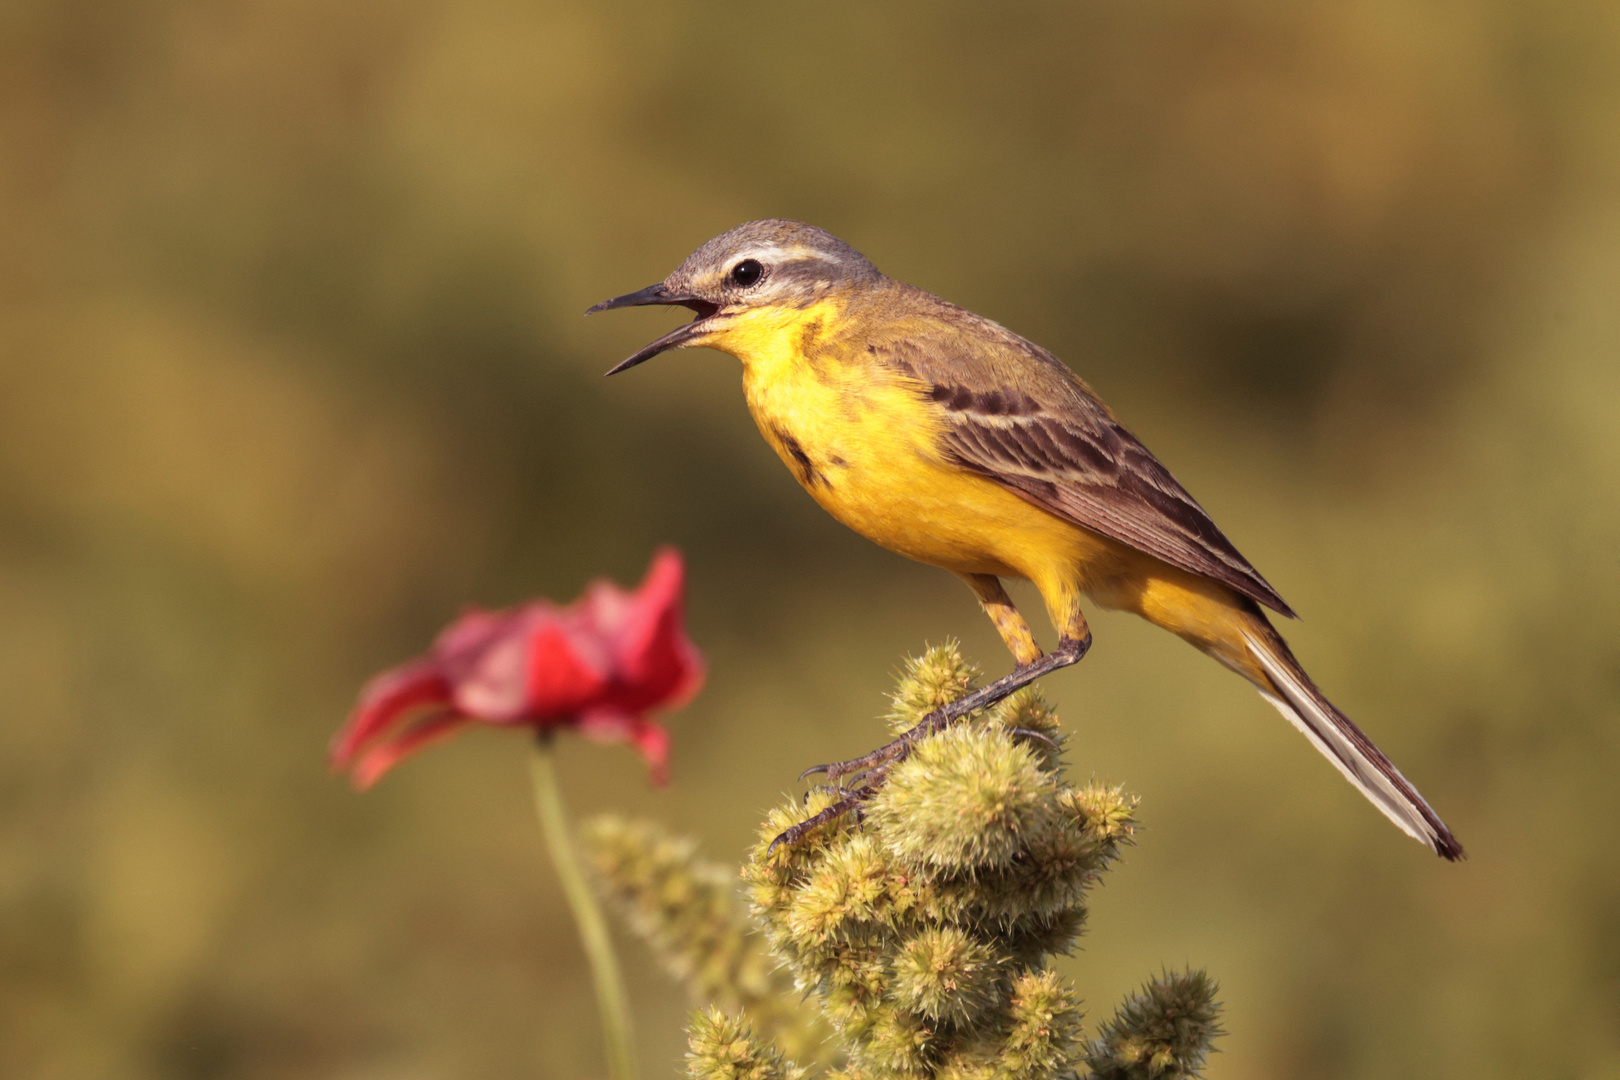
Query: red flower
{"points": [[598, 666]]}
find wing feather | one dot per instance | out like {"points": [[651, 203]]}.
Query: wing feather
{"points": [[1015, 414]]}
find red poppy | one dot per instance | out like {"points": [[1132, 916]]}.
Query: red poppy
{"points": [[597, 666]]}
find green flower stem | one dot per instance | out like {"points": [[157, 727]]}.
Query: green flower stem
{"points": [[593, 931]]}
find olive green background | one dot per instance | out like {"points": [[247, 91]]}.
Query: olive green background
{"points": [[292, 367]]}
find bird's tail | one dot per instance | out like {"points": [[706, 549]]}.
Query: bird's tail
{"points": [[1341, 742]]}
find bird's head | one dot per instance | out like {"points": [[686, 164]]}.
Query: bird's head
{"points": [[761, 265]]}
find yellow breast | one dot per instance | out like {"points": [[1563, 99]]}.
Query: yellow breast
{"points": [[862, 439]]}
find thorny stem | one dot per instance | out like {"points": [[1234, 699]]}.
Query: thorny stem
{"points": [[593, 931]]}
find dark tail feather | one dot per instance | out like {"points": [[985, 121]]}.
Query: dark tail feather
{"points": [[1344, 744]]}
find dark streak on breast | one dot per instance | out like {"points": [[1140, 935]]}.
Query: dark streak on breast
{"points": [[804, 468]]}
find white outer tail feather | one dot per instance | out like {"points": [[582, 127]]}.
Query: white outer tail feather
{"points": [[1301, 707]]}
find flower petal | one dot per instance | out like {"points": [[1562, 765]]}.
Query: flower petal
{"points": [[491, 681], [567, 672], [385, 700], [656, 662], [649, 737], [482, 654], [652, 739], [466, 637], [384, 756], [598, 665]]}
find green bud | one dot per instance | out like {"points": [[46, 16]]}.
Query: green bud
{"points": [[688, 912], [1028, 711], [1045, 1026], [721, 1047], [843, 896], [965, 799], [946, 974], [936, 678], [1163, 1032], [1090, 827], [856, 1071], [901, 1043], [1108, 817], [1032, 938], [683, 906]]}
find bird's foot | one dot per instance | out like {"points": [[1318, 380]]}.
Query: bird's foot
{"points": [[851, 800], [870, 770]]}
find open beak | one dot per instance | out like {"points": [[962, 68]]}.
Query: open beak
{"points": [[658, 294]]}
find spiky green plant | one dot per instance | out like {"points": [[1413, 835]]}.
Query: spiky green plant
{"points": [[920, 931], [1165, 1029], [687, 909]]}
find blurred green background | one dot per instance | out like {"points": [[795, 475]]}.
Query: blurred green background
{"points": [[291, 367]]}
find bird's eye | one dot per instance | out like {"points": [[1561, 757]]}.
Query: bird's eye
{"points": [[747, 272]]}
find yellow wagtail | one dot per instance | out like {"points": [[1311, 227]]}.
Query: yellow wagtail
{"points": [[949, 439]]}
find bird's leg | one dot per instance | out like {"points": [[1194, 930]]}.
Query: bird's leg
{"points": [[1010, 624], [870, 770], [877, 764], [1069, 651], [1020, 642]]}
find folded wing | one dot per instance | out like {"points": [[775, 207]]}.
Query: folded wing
{"points": [[1015, 414]]}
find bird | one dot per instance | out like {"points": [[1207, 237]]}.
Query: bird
{"points": [[943, 436]]}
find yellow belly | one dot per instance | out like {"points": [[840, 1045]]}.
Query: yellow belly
{"points": [[861, 440], [927, 510]]}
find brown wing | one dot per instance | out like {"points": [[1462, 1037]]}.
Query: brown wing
{"points": [[1015, 414]]}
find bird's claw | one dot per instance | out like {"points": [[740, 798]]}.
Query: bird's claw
{"points": [[871, 770], [794, 833]]}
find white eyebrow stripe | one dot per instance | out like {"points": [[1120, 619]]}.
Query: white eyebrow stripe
{"points": [[779, 253]]}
